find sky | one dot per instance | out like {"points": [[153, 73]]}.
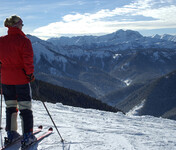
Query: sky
{"points": [[56, 18]]}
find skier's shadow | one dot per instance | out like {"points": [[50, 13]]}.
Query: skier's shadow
{"points": [[35, 146], [18, 147]]}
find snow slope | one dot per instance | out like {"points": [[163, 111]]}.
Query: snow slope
{"points": [[88, 129]]}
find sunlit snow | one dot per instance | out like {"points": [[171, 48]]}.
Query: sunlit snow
{"points": [[89, 129]]}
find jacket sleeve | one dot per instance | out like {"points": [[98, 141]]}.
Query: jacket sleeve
{"points": [[28, 57]]}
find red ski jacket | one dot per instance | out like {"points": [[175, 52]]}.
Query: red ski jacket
{"points": [[16, 56]]}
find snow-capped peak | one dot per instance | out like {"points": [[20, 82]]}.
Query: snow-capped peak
{"points": [[128, 34]]}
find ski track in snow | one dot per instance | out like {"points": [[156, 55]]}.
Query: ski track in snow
{"points": [[88, 129]]}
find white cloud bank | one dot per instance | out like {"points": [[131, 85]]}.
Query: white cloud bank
{"points": [[160, 14]]}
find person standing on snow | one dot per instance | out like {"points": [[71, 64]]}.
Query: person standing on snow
{"points": [[16, 57]]}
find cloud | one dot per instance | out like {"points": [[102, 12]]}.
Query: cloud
{"points": [[164, 13], [107, 21], [3, 31]]}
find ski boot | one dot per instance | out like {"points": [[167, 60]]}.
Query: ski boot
{"points": [[11, 137], [28, 139]]}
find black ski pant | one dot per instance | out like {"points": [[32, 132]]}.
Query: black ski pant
{"points": [[18, 97]]}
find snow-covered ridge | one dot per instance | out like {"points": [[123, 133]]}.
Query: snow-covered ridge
{"points": [[61, 54], [120, 40], [119, 36], [166, 37], [98, 46], [89, 129], [45, 49]]}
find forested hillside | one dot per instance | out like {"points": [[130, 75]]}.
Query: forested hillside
{"points": [[52, 93], [159, 97]]}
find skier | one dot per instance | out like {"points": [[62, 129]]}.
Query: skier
{"points": [[16, 57]]}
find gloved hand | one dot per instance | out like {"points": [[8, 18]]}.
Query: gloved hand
{"points": [[30, 77]]}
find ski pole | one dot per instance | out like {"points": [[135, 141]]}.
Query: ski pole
{"points": [[1, 99], [1, 110], [37, 92], [53, 122]]}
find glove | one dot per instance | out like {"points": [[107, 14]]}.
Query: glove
{"points": [[30, 77]]}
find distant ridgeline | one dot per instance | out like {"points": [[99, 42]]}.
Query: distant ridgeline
{"points": [[159, 96], [55, 94]]}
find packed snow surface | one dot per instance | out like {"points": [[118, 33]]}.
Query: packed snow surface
{"points": [[89, 129]]}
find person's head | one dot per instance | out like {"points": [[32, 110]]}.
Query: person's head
{"points": [[13, 21]]}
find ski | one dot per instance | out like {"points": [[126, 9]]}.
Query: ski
{"points": [[46, 134], [39, 129]]}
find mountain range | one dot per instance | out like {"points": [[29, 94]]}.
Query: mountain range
{"points": [[99, 66]]}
